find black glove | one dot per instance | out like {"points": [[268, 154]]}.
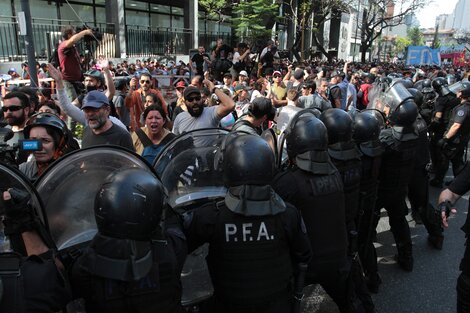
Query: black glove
{"points": [[443, 143], [19, 216]]}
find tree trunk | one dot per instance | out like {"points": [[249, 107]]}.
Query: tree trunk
{"points": [[364, 48], [320, 47], [296, 45]]}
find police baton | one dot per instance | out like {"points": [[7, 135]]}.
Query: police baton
{"points": [[299, 287]]}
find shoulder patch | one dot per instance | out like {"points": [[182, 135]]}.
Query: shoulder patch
{"points": [[460, 113]]}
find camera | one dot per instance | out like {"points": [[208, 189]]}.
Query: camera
{"points": [[8, 153], [88, 38]]}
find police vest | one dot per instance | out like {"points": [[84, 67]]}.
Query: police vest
{"points": [[159, 291], [369, 179], [422, 149], [464, 131], [397, 163], [249, 259], [350, 170], [321, 202]]}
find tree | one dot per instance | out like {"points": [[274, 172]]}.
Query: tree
{"points": [[379, 14], [415, 36], [435, 42], [401, 44], [254, 18], [301, 12], [214, 9]]}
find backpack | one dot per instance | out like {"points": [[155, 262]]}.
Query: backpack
{"points": [[54, 58]]}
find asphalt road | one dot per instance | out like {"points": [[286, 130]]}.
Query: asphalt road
{"points": [[430, 288]]}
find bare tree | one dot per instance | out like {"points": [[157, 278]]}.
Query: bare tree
{"points": [[377, 15], [301, 12]]}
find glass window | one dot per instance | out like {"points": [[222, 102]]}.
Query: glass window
{"points": [[137, 5], [160, 20], [177, 11], [137, 18], [43, 9], [5, 8], [160, 8], [177, 22], [100, 2], [100, 15], [85, 12]]}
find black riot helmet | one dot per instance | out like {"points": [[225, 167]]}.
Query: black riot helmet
{"points": [[440, 86], [129, 204], [407, 83], [45, 120], [247, 160], [405, 114], [307, 133], [367, 126], [339, 125], [418, 85], [427, 86], [417, 95]]}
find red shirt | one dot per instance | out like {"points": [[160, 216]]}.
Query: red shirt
{"points": [[69, 60]]}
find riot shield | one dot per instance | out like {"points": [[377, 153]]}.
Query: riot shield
{"points": [[393, 97], [68, 189], [13, 180], [457, 87], [190, 168], [271, 138]]}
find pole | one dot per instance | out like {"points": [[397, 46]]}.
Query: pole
{"points": [[357, 27], [29, 44]]}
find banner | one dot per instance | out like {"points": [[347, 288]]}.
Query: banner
{"points": [[422, 55]]}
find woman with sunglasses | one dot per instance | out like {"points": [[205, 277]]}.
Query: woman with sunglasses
{"points": [[152, 138], [52, 132]]}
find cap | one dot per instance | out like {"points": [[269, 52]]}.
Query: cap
{"points": [[12, 69], [228, 75], [336, 73], [95, 99], [299, 74], [181, 84], [240, 87], [243, 73], [190, 90], [277, 73]]}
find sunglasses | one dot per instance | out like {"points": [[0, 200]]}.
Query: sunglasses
{"points": [[12, 108], [145, 81], [276, 76], [191, 99]]}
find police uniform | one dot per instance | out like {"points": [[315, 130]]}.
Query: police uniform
{"points": [[460, 186], [445, 105], [456, 145], [254, 240]]}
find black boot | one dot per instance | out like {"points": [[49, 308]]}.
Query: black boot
{"points": [[373, 282], [405, 256], [436, 241]]}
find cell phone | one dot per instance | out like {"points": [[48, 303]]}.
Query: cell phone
{"points": [[30, 145]]}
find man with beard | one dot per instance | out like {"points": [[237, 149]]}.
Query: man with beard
{"points": [[199, 117], [100, 130], [16, 111]]}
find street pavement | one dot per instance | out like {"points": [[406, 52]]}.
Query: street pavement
{"points": [[430, 288]]}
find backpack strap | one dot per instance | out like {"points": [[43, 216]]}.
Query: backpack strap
{"points": [[144, 139]]}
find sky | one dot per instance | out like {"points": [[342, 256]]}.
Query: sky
{"points": [[427, 15]]}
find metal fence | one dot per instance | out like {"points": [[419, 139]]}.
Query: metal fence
{"points": [[140, 41], [46, 36]]}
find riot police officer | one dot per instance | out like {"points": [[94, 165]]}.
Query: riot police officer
{"points": [[429, 97], [130, 265], [366, 131], [312, 183], [399, 141], [347, 159], [456, 137], [254, 237], [447, 198], [445, 103]]}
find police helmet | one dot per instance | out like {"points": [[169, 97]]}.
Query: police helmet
{"points": [[417, 95], [307, 133], [366, 127], [440, 86], [129, 204], [407, 83], [405, 114], [427, 86], [418, 85], [46, 120], [95, 74], [339, 125], [450, 79], [247, 160]]}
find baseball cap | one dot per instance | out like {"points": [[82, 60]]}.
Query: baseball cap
{"points": [[95, 99], [12, 69], [277, 73], [190, 90], [228, 75], [181, 84], [243, 73], [240, 87]]}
